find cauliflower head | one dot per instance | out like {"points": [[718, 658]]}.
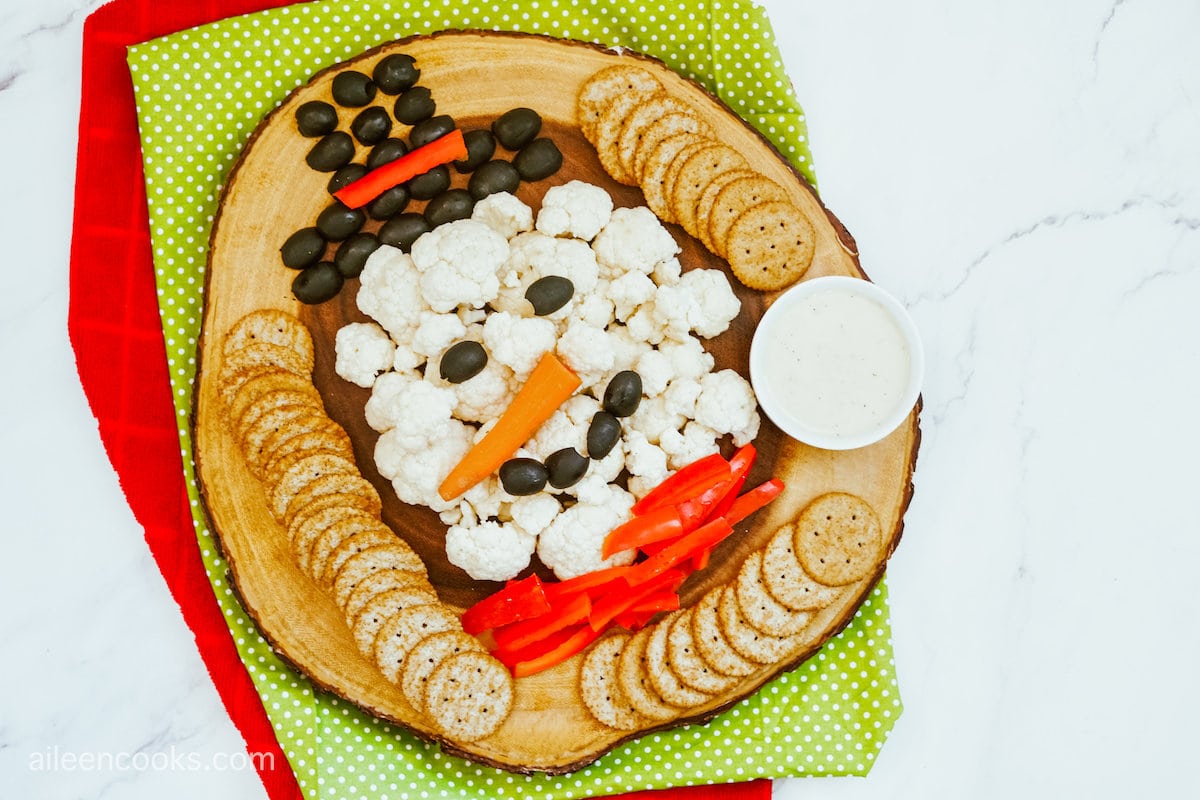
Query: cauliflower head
{"points": [[490, 551], [518, 342], [726, 404], [571, 544], [575, 209], [633, 239], [504, 213], [389, 292]]}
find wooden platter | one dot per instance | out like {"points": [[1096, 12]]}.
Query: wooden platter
{"points": [[476, 76]]}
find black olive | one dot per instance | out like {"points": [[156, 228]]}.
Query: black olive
{"points": [[430, 184], [331, 153], [414, 105], [317, 283], [566, 467], [539, 159], [603, 434], [353, 89], [427, 130], [385, 152], [462, 362], [481, 146], [516, 128], [316, 118], [303, 248], [495, 176], [389, 204], [372, 125], [549, 294], [403, 230], [346, 176], [352, 254], [395, 73], [338, 222], [623, 394], [522, 476], [449, 206]]}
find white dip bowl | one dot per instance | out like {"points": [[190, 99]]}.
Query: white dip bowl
{"points": [[836, 363]]}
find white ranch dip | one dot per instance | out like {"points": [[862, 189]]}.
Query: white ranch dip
{"points": [[833, 365]]}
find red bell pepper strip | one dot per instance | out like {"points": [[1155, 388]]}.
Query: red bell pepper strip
{"points": [[654, 526], [522, 634], [608, 607], [594, 583], [688, 482], [636, 616], [518, 600], [753, 500], [725, 503], [703, 538], [442, 150], [700, 509], [578, 639]]}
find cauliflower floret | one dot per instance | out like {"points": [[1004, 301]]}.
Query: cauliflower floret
{"points": [[726, 404], [471, 316], [681, 395], [420, 463], [688, 357], [557, 433], [363, 351], [645, 324], [389, 292], [436, 332], [486, 498], [627, 351], [574, 209], [656, 370], [630, 291], [504, 213], [587, 350], [535, 255], [572, 543], [485, 396], [490, 551], [592, 486], [595, 309], [653, 418], [644, 459], [667, 272], [518, 342], [458, 263], [702, 301], [633, 239], [415, 408], [694, 442], [533, 513], [382, 408]]}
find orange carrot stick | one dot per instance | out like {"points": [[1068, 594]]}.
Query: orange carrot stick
{"points": [[548, 387]]}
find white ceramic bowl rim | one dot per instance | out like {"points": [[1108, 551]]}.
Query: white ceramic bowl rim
{"points": [[777, 409]]}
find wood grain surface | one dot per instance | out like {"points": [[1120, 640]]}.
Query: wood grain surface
{"points": [[474, 77]]}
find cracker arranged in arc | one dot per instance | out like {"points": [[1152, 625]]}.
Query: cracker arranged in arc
{"points": [[277, 398], [601, 689], [469, 695], [373, 535], [370, 619], [786, 580], [256, 442], [760, 608], [838, 539], [270, 326], [658, 165], [261, 354], [642, 119], [336, 483], [710, 640], [687, 664], [665, 682], [706, 203], [734, 200], [633, 674], [405, 629], [377, 582], [426, 656], [327, 543], [666, 126], [770, 246], [695, 174], [751, 643], [302, 472], [262, 382], [607, 83], [608, 130], [305, 535]]}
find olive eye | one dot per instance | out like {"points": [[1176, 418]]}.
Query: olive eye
{"points": [[462, 362]]}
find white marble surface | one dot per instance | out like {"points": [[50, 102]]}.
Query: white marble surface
{"points": [[1025, 176]]}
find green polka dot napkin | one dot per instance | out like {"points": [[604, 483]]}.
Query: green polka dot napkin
{"points": [[200, 93]]}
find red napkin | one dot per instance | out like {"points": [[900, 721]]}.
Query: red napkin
{"points": [[115, 330]]}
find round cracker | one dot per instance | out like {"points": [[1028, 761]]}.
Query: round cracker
{"points": [[786, 580], [366, 624], [686, 663], [600, 688], [262, 383], [665, 682], [372, 536], [404, 630], [695, 174], [671, 176], [302, 473], [468, 696], [609, 82], [304, 531], [395, 556], [262, 354], [751, 643], [378, 582], [277, 398], [425, 658], [319, 549], [268, 426], [658, 163], [838, 539], [770, 246], [668, 125], [632, 672], [280, 453], [759, 608], [708, 198], [735, 199], [613, 116], [710, 640], [334, 484], [644, 118], [270, 326]]}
